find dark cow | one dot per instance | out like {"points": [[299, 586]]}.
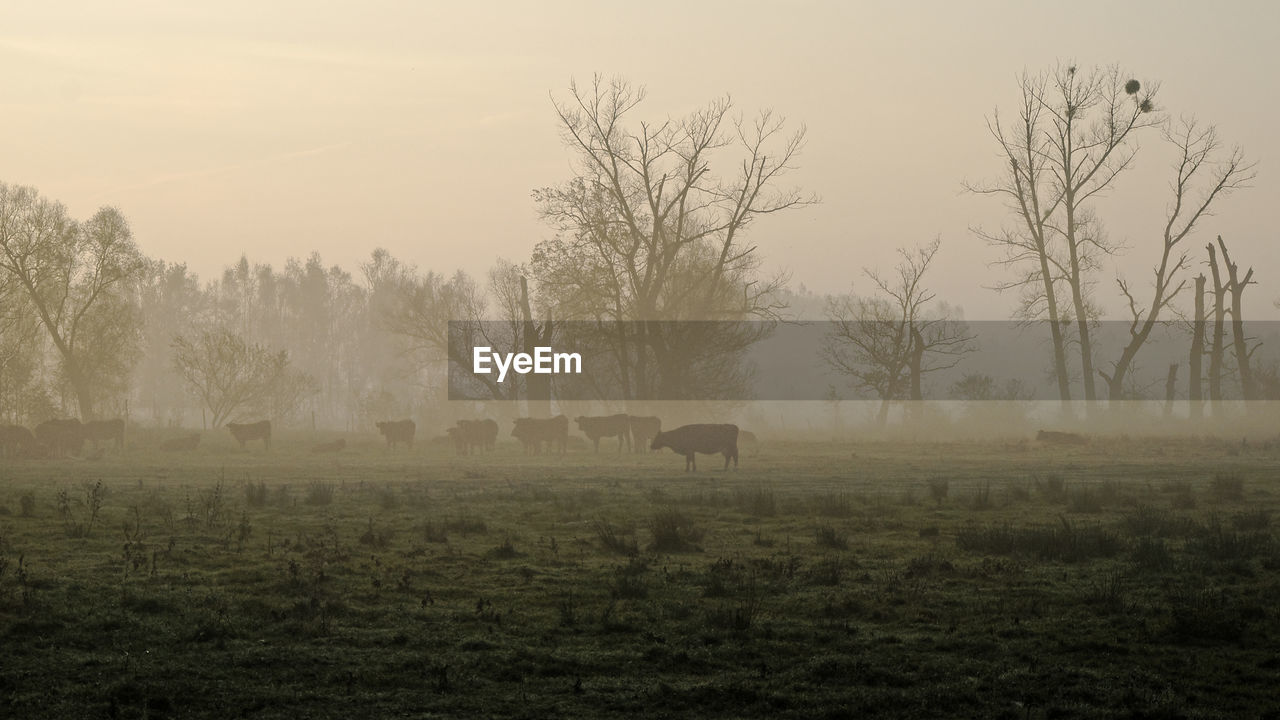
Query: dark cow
{"points": [[533, 432], [1054, 437], [706, 439], [398, 431], [336, 446], [181, 444], [109, 430], [643, 430], [746, 437], [594, 428], [478, 434], [61, 437], [252, 431], [16, 441]]}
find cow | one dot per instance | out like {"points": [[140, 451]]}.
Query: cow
{"points": [[1053, 437], [594, 428], [336, 446], [16, 441], [260, 430], [398, 431], [746, 437], [478, 434], [181, 444], [109, 430], [532, 432], [643, 430], [61, 437], [706, 439]]}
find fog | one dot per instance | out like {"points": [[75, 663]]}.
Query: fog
{"points": [[316, 192]]}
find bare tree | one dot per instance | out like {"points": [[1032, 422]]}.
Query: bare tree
{"points": [[887, 343], [77, 279], [1240, 343], [647, 233], [1072, 138], [1197, 150], [230, 374]]}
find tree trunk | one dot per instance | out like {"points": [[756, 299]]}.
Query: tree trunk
{"points": [[917, 364], [537, 388], [1237, 285], [1194, 391], [1170, 386], [1219, 331], [1055, 329]]}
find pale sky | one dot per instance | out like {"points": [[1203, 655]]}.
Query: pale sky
{"points": [[275, 129]]}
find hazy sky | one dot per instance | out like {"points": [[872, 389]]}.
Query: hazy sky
{"points": [[275, 129]]}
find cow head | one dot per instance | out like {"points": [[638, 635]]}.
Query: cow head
{"points": [[658, 443]]}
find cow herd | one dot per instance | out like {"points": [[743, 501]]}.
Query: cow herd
{"points": [[59, 438], [63, 438]]}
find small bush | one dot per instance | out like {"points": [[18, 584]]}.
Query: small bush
{"points": [[505, 551], [981, 498], [938, 488], [610, 539], [759, 501], [828, 537], [319, 493], [1227, 487], [256, 494], [834, 505], [1065, 542], [1151, 555], [27, 503], [673, 532]]}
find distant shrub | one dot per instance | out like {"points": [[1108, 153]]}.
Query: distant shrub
{"points": [[828, 537], [1065, 542], [27, 505], [1227, 487], [981, 498], [1205, 614], [611, 540], [505, 551], [833, 505], [319, 493], [375, 537], [673, 532], [1218, 543], [938, 488], [466, 524], [757, 501], [1252, 520], [1151, 555], [1084, 501], [256, 494]]}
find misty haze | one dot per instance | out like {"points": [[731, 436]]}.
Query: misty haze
{"points": [[824, 360]]}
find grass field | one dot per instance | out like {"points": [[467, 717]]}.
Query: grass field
{"points": [[1126, 578]]}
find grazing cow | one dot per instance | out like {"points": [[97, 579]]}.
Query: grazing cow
{"points": [[336, 446], [252, 431], [643, 430], [16, 441], [532, 432], [746, 437], [62, 437], [109, 430], [594, 428], [398, 431], [706, 439], [478, 434], [181, 444], [1053, 437]]}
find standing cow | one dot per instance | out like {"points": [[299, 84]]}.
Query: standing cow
{"points": [[594, 428], [533, 432], [478, 434], [688, 440], [61, 437], [243, 433], [398, 431]]}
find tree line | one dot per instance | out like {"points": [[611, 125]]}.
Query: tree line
{"points": [[651, 228]]}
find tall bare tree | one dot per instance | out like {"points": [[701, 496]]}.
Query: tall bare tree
{"points": [[1198, 164], [646, 232], [1072, 137], [230, 374], [887, 342], [78, 279]]}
